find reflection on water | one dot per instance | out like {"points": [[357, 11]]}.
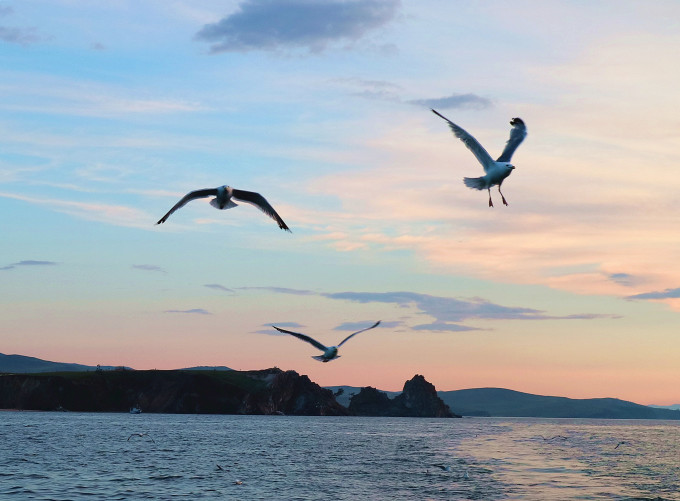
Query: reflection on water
{"points": [[74, 456]]}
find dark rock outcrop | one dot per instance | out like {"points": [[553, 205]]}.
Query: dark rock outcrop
{"points": [[271, 391], [419, 399]]}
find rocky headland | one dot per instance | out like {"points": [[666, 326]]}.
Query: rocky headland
{"points": [[418, 399], [270, 391]]}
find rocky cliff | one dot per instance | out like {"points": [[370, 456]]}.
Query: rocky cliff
{"points": [[270, 391], [418, 399]]}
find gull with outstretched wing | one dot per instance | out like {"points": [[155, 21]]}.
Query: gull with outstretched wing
{"points": [[496, 170], [329, 352], [223, 200]]}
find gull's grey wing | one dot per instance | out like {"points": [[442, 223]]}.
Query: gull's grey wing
{"points": [[261, 203], [472, 144], [311, 341], [517, 135], [357, 332], [188, 198]]}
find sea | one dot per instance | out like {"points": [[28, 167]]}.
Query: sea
{"points": [[74, 456]]}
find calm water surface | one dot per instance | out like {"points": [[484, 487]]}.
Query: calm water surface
{"points": [[72, 456]]}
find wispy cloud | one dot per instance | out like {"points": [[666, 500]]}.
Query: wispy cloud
{"points": [[443, 327], [449, 309], [665, 294], [28, 262], [218, 287], [625, 279], [275, 24], [448, 312], [59, 95], [462, 101], [356, 326], [21, 36], [284, 324], [280, 290], [273, 332], [148, 267], [194, 311], [112, 214]]}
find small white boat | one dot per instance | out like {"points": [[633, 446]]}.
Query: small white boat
{"points": [[135, 410]]}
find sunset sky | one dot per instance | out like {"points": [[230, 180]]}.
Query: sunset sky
{"points": [[112, 111]]}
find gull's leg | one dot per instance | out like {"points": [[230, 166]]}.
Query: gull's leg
{"points": [[499, 191], [490, 202]]}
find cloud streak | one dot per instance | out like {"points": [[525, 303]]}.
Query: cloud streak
{"points": [[148, 267], [448, 312], [218, 287], [460, 101], [275, 24], [193, 311], [28, 262], [657, 295], [448, 309], [118, 215]]}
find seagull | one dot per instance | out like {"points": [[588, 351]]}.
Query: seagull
{"points": [[496, 171], [141, 435], [223, 200], [329, 352]]}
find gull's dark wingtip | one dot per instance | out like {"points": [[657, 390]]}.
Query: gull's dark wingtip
{"points": [[439, 114]]}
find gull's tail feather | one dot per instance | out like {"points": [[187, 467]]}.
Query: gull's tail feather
{"points": [[324, 359], [476, 183], [229, 205]]}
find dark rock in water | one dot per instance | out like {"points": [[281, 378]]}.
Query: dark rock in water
{"points": [[271, 391], [371, 402], [419, 399]]}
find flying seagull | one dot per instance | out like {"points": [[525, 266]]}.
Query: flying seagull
{"points": [[329, 352], [496, 171], [141, 435], [223, 200]]}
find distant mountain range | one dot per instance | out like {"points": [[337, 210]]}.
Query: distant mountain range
{"points": [[20, 364], [499, 402], [492, 402], [509, 403], [674, 407]]}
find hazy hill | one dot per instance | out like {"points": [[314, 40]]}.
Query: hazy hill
{"points": [[508, 403], [206, 368], [674, 407], [20, 364]]}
